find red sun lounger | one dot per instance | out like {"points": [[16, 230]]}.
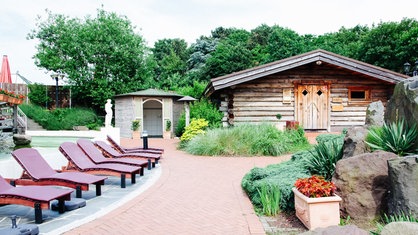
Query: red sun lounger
{"points": [[36, 171], [38, 197], [97, 157], [78, 161], [110, 152], [120, 149]]}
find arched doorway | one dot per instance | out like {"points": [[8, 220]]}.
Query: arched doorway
{"points": [[153, 122]]}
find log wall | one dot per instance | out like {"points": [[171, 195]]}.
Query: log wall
{"points": [[260, 100]]}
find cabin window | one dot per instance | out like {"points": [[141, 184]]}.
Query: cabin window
{"points": [[358, 94]]}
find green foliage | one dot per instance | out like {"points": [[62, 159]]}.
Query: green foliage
{"points": [[402, 217], [201, 109], [61, 119], [247, 140], [196, 127], [167, 125], [38, 95], [135, 124], [395, 137], [101, 56], [283, 175], [324, 158], [270, 199]]}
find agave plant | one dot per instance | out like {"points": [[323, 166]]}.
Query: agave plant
{"points": [[395, 137], [324, 158]]}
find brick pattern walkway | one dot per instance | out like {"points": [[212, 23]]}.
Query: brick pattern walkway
{"points": [[194, 195]]}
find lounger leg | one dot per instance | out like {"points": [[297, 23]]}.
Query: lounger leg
{"points": [[13, 183], [38, 213], [133, 178], [78, 191], [98, 190], [149, 164], [156, 161], [123, 181], [153, 164], [141, 172], [61, 206]]}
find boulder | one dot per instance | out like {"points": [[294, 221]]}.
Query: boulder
{"points": [[362, 182], [354, 141], [332, 230], [404, 103], [404, 228], [19, 139], [375, 114], [403, 178]]}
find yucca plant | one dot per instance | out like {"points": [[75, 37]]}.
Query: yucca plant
{"points": [[323, 158], [394, 137]]}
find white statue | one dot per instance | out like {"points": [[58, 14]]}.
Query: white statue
{"points": [[109, 113]]}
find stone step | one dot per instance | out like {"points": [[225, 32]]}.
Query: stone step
{"points": [[33, 126]]}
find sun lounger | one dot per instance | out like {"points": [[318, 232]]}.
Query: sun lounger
{"points": [[110, 152], [97, 156], [38, 197], [120, 149], [78, 161], [36, 171]]}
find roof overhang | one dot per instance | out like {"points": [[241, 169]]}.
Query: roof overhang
{"points": [[299, 60]]}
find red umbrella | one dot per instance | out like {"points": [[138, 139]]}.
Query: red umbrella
{"points": [[5, 76]]}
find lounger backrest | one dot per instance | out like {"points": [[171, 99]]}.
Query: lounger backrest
{"points": [[107, 148], [33, 163], [114, 144], [75, 155], [90, 149], [4, 185]]}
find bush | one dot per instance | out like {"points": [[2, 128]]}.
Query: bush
{"points": [[61, 119], [282, 175], [203, 109], [38, 95], [196, 127], [395, 137], [247, 140], [323, 158]]}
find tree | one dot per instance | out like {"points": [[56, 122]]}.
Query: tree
{"points": [[100, 56]]}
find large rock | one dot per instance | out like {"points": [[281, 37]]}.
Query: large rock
{"points": [[19, 139], [404, 102], [375, 114], [354, 141], [362, 182], [403, 176], [404, 228], [333, 230]]}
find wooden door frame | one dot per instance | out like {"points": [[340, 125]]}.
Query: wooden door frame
{"points": [[317, 83]]}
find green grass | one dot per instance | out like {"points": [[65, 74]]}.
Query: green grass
{"points": [[270, 199], [402, 217], [247, 140]]}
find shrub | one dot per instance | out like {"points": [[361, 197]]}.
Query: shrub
{"points": [[196, 127], [395, 137], [38, 95], [247, 140], [323, 158], [283, 175], [203, 109], [135, 124], [60, 119]]}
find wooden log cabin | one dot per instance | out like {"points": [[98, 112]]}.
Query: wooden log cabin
{"points": [[319, 89]]}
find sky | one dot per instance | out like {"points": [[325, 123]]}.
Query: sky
{"points": [[189, 19]]}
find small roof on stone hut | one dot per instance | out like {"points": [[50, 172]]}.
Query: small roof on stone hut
{"points": [[151, 93]]}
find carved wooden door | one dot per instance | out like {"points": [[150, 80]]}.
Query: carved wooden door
{"points": [[313, 106]]}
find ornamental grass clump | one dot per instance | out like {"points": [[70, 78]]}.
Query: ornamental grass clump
{"points": [[315, 186], [396, 137], [270, 199]]}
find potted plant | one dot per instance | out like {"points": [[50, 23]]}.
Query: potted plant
{"points": [[135, 129], [280, 125], [316, 203], [167, 130]]}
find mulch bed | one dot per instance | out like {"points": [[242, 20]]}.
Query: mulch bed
{"points": [[283, 224]]}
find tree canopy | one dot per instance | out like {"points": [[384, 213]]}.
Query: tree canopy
{"points": [[104, 56]]}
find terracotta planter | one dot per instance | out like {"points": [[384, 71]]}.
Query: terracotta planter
{"points": [[167, 135], [19, 101], [4, 97], [317, 212], [292, 125], [136, 135]]}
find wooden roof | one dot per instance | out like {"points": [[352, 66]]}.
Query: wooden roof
{"points": [[299, 60], [151, 93]]}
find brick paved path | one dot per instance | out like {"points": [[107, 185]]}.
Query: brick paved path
{"points": [[194, 195]]}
